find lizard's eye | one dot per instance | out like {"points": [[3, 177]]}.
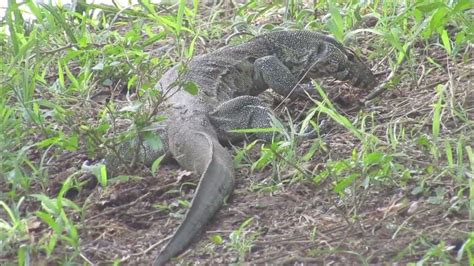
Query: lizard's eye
{"points": [[351, 56]]}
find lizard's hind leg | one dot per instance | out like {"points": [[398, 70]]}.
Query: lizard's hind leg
{"points": [[144, 151], [243, 112]]}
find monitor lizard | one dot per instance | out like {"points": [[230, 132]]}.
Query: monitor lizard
{"points": [[229, 79]]}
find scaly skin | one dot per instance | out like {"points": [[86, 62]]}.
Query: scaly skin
{"points": [[228, 81]]}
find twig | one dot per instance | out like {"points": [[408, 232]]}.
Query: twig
{"points": [[151, 247], [117, 208], [268, 258], [235, 34], [295, 258], [71, 45], [85, 258], [375, 93], [381, 89], [304, 172]]}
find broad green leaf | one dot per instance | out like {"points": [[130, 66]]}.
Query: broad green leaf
{"points": [[437, 20], [75, 82], [103, 176], [61, 75], [463, 5], [148, 7], [340, 186], [446, 42], [154, 38], [61, 20], [48, 219], [426, 8], [169, 22], [9, 211], [216, 239], [438, 107], [156, 164], [100, 172], [35, 10], [179, 16], [70, 204], [153, 141], [23, 255], [47, 203], [336, 24], [246, 223], [373, 158], [191, 87]]}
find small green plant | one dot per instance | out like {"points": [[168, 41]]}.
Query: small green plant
{"points": [[54, 214], [280, 153], [14, 231], [242, 240], [395, 134], [373, 167]]}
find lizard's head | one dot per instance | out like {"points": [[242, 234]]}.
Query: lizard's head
{"points": [[342, 64], [358, 73]]}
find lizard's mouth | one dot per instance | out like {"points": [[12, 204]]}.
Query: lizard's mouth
{"points": [[360, 76], [366, 80]]}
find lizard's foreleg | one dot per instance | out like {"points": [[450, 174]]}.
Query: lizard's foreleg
{"points": [[271, 71]]}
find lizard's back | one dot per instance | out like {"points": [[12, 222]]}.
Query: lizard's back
{"points": [[220, 76]]}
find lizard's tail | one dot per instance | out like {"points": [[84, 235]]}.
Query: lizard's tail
{"points": [[199, 151]]}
